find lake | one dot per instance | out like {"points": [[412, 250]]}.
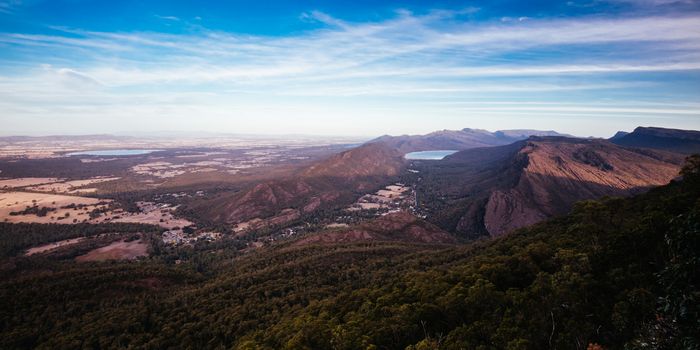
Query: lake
{"points": [[429, 155], [113, 152]]}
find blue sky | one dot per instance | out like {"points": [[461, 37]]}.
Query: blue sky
{"points": [[584, 67]]}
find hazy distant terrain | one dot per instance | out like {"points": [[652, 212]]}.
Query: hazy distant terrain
{"points": [[681, 141], [459, 139], [257, 190]]}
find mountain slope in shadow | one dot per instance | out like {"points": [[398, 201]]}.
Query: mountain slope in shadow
{"points": [[673, 140], [492, 191]]}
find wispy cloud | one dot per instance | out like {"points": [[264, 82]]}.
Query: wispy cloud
{"points": [[167, 18], [8, 6], [657, 2], [408, 45], [408, 55]]}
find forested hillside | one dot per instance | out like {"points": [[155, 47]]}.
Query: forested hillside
{"points": [[617, 273]]}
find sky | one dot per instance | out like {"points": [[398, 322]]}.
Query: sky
{"points": [[350, 68]]}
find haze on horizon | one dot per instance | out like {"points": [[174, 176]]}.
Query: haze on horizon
{"points": [[583, 67]]}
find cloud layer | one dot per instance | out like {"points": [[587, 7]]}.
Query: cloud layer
{"points": [[415, 72]]}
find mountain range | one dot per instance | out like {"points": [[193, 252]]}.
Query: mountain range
{"points": [[498, 182], [458, 139], [339, 179], [673, 140]]}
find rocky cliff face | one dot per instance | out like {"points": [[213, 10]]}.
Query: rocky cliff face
{"points": [[560, 172], [492, 191]]}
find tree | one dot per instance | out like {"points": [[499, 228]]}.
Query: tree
{"points": [[692, 165]]}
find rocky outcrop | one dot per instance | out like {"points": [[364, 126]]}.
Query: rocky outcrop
{"points": [[494, 190], [560, 172]]}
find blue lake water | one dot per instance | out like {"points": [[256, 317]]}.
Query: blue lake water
{"points": [[429, 155], [113, 152]]}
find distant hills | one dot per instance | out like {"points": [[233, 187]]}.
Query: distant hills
{"points": [[498, 182], [341, 178], [459, 139], [55, 138], [618, 135], [674, 140]]}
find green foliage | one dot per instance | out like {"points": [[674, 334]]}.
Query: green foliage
{"points": [[692, 165], [680, 280]]}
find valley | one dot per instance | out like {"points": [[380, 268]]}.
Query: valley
{"points": [[184, 217], [258, 196]]}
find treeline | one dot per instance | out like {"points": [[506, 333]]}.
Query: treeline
{"points": [[33, 210], [14, 238], [71, 167]]}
